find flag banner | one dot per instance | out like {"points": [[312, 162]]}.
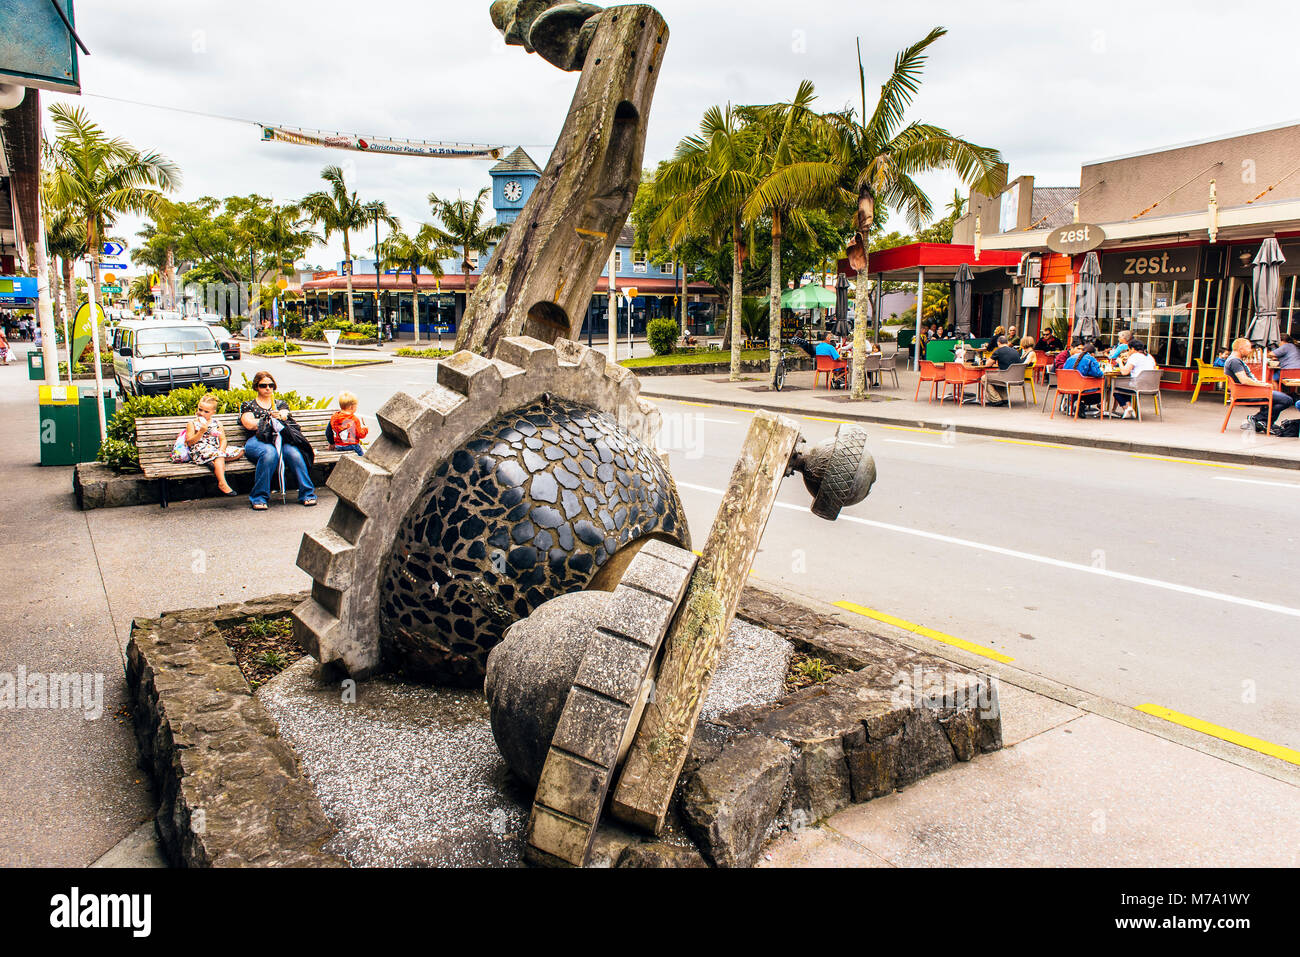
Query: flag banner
{"points": [[377, 144]]}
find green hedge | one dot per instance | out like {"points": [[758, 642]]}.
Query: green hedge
{"points": [[119, 450], [316, 331], [276, 348], [408, 353]]}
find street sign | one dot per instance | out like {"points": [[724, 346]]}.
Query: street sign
{"points": [[111, 250], [23, 287], [104, 265]]}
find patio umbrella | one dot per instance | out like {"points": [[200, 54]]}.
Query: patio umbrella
{"points": [[961, 287], [1264, 329], [808, 297], [1085, 302], [842, 296], [842, 327]]}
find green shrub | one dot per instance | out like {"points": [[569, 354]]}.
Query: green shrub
{"points": [[275, 348], [119, 449], [662, 335], [886, 336]]}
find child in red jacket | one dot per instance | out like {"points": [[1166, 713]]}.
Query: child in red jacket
{"points": [[348, 430]]}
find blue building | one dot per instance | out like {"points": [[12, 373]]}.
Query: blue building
{"points": [[442, 301]]}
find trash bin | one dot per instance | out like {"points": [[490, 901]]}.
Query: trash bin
{"points": [[35, 366], [58, 412], [88, 430]]}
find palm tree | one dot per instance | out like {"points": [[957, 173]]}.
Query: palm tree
{"points": [[97, 179], [285, 230], [787, 132], [463, 226], [421, 252], [876, 158], [339, 211], [704, 188], [141, 288]]}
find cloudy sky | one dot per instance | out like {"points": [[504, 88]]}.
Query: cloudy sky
{"points": [[1050, 85]]}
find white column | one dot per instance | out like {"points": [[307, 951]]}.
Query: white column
{"points": [[613, 311]]}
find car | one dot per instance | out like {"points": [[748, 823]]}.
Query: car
{"points": [[154, 356], [228, 343]]}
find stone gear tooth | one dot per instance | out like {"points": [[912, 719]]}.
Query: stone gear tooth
{"points": [[361, 483], [315, 629], [470, 375], [407, 418], [442, 400], [327, 557], [591, 361], [388, 452], [529, 354]]}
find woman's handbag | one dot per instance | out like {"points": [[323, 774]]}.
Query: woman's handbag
{"points": [[180, 451]]}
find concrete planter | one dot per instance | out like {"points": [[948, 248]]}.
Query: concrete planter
{"points": [[796, 364]]}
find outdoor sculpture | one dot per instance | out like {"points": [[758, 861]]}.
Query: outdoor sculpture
{"points": [[519, 497]]}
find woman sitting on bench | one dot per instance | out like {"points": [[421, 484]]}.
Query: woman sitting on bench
{"points": [[206, 440], [266, 419]]}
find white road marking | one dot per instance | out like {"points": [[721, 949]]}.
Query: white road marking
{"points": [[924, 445], [1293, 485], [1041, 559], [700, 418]]}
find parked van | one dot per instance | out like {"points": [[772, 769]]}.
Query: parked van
{"points": [[154, 356]]}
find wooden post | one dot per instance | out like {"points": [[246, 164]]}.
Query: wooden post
{"points": [[542, 275], [694, 643]]}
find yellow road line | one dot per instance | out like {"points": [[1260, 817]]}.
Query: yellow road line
{"points": [[1166, 458], [916, 629], [1289, 755], [739, 409], [818, 418], [702, 405], [904, 428]]}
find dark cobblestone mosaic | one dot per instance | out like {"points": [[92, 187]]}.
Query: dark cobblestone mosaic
{"points": [[531, 508]]}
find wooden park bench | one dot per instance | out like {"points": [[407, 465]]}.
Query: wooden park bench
{"points": [[156, 436]]}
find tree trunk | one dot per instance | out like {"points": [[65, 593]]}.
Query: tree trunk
{"points": [[169, 280], [347, 254], [69, 302], [415, 305], [684, 285], [737, 290], [774, 308], [540, 280], [860, 298]]}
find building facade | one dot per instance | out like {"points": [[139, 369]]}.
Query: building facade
{"points": [[441, 301], [1176, 230]]}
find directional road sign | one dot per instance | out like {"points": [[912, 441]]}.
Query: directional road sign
{"points": [[112, 249]]}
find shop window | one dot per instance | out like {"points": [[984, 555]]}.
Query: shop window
{"points": [[639, 264]]}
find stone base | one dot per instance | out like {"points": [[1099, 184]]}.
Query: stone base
{"points": [[97, 486], [410, 776], [230, 792]]}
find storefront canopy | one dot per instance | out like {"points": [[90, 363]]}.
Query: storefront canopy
{"points": [[939, 260]]}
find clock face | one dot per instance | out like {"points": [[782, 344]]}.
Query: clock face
{"points": [[513, 191]]}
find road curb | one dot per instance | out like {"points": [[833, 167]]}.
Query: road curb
{"points": [[1113, 445]]}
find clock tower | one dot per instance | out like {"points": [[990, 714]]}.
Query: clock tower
{"points": [[513, 181]]}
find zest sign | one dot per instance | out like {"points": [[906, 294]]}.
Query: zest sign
{"points": [[1075, 239]]}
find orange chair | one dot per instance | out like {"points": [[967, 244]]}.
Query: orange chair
{"points": [[956, 377], [829, 366], [1248, 396], [931, 372], [1070, 382], [1041, 365]]}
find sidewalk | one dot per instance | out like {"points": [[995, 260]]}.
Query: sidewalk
{"points": [[1186, 431], [73, 792]]}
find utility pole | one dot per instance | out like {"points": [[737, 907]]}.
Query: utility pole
{"points": [[613, 310]]}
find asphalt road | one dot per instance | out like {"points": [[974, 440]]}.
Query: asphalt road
{"points": [[1138, 579]]}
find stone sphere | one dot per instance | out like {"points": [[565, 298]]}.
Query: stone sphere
{"points": [[529, 675], [531, 507]]}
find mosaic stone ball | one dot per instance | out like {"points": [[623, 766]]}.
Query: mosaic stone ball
{"points": [[531, 508]]}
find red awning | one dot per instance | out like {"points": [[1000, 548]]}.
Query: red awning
{"points": [[939, 260]]}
